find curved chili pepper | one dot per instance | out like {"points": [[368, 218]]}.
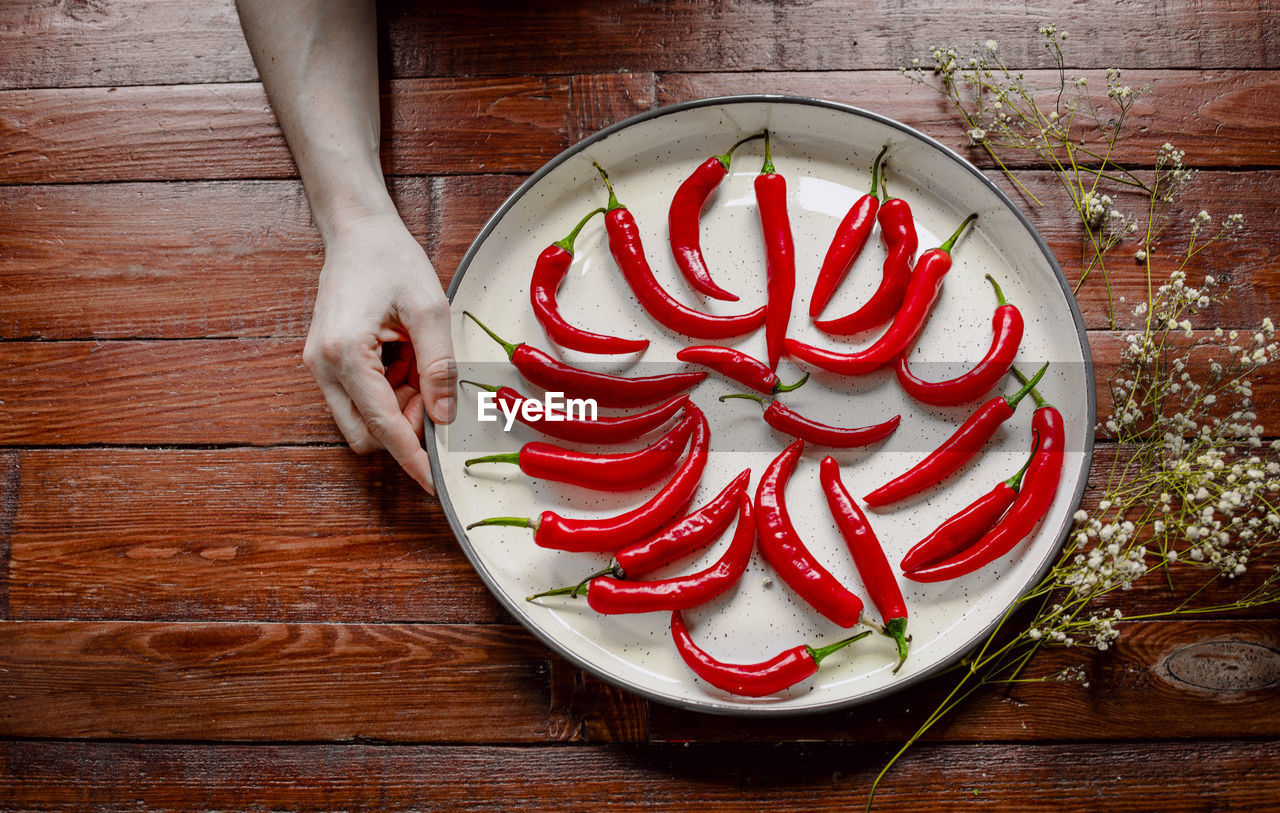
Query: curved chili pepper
{"points": [[740, 367], [612, 596], [1039, 486], [898, 233], [965, 527], [548, 273], [780, 254], [955, 451], [681, 538], [785, 551], [606, 429], [628, 253], [601, 472], [922, 291], [607, 534], [868, 556], [850, 238], [1006, 329], [780, 672], [788, 421], [607, 390], [683, 226]]}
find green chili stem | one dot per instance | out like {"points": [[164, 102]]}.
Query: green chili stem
{"points": [[951, 241], [1039, 399], [896, 628], [613, 199], [758, 399], [767, 169], [875, 170], [1015, 482], [506, 345], [726, 157], [821, 652], [508, 457], [1028, 386], [567, 243], [514, 522], [780, 387], [486, 387], [1000, 300]]}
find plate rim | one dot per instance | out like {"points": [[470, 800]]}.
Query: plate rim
{"points": [[753, 710]]}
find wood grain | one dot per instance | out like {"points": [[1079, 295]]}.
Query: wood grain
{"points": [[1121, 777], [234, 534], [234, 391], [500, 124], [10, 475], [80, 43], [200, 132], [423, 683], [272, 682]]}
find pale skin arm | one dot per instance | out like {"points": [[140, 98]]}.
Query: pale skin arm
{"points": [[318, 63]]}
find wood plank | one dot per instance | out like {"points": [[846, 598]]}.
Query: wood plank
{"points": [[604, 99], [245, 681], [164, 260], [1120, 777], [285, 534], [198, 132], [10, 475], [191, 42], [1189, 679], [188, 260], [1218, 117], [183, 392], [295, 534]]}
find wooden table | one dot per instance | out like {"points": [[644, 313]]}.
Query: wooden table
{"points": [[207, 601]]}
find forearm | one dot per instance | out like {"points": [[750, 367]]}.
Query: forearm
{"points": [[318, 62]]}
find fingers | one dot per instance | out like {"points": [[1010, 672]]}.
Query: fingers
{"points": [[350, 424], [374, 399], [437, 371]]}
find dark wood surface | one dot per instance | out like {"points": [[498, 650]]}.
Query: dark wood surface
{"points": [[207, 601]]}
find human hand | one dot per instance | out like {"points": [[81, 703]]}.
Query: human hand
{"points": [[377, 286]]}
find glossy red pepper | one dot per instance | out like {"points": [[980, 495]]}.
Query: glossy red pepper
{"points": [[922, 291], [608, 534], [898, 233], [1039, 485], [683, 221], [609, 595], [548, 273], [601, 472], [628, 252], [606, 390], [780, 672], [868, 556], [604, 429], [780, 255], [1006, 330], [955, 451], [788, 421], [786, 552], [850, 238], [964, 527], [735, 364]]}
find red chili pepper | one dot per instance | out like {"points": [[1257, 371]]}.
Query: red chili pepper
{"points": [[607, 390], [955, 451], [780, 672], [868, 556], [785, 551], [850, 238], [628, 252], [1039, 485], [788, 421], [922, 292], [613, 596], [740, 367], [780, 254], [898, 232], [605, 429], [607, 534], [548, 273], [1006, 328], [965, 527], [601, 472], [683, 221]]}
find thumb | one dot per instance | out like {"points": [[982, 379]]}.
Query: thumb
{"points": [[429, 331]]}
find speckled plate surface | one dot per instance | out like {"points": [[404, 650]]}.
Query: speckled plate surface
{"points": [[825, 151]]}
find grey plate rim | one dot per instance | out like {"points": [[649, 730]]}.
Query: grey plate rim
{"points": [[514, 607]]}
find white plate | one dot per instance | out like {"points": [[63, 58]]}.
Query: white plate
{"points": [[825, 151]]}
